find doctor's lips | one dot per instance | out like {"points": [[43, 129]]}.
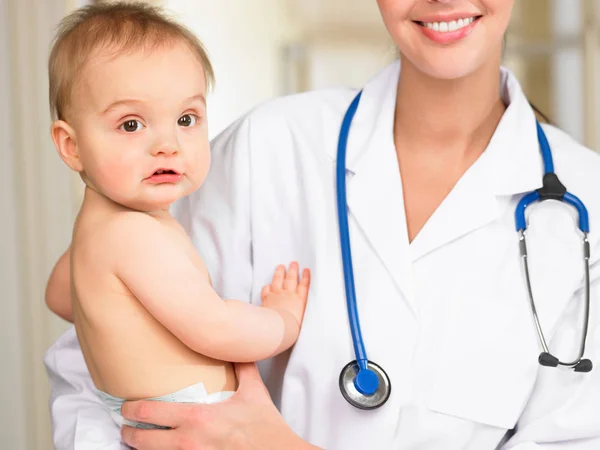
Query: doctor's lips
{"points": [[448, 29], [164, 176]]}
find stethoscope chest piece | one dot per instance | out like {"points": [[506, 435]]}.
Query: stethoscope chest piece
{"points": [[350, 385]]}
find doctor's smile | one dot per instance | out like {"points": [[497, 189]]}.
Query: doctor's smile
{"points": [[448, 28], [443, 296]]}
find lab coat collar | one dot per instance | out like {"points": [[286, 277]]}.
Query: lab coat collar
{"points": [[513, 159], [510, 165], [373, 122], [513, 153]]}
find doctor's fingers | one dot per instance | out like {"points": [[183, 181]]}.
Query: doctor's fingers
{"points": [[139, 439], [174, 415], [247, 420], [187, 421], [186, 438], [165, 414]]}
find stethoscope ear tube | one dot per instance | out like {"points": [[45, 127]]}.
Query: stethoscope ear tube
{"points": [[546, 358], [553, 189]]}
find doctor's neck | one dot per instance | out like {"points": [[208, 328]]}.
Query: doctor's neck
{"points": [[439, 115]]}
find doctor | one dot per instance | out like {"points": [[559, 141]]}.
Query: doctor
{"points": [[441, 149]]}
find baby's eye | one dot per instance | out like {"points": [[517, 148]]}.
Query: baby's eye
{"points": [[130, 126], [187, 120]]}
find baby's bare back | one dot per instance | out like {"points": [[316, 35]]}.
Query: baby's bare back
{"points": [[128, 352]]}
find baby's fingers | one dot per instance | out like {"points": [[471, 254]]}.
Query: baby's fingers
{"points": [[304, 284], [278, 277], [291, 278], [266, 290]]}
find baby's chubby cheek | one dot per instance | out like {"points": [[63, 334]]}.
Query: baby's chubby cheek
{"points": [[115, 174], [200, 167]]}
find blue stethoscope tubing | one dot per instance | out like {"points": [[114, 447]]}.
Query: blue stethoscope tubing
{"points": [[366, 385], [534, 196], [359, 345], [363, 383]]}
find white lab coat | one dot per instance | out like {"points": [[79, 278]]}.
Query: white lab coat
{"points": [[447, 316]]}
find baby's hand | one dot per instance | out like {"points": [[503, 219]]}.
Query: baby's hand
{"points": [[287, 292]]}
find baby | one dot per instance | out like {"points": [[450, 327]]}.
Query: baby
{"points": [[127, 92]]}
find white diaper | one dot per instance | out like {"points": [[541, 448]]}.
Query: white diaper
{"points": [[192, 394]]}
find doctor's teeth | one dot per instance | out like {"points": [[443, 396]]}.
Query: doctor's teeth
{"points": [[445, 27]]}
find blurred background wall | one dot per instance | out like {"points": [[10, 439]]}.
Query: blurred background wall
{"points": [[260, 49]]}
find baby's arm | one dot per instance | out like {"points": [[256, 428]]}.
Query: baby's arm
{"points": [[172, 289], [58, 289]]}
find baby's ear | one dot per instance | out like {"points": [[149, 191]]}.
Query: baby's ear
{"points": [[65, 141]]}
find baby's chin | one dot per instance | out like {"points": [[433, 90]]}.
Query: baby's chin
{"points": [[153, 198], [152, 204]]}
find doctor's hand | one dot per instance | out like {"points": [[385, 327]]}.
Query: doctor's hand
{"points": [[246, 421]]}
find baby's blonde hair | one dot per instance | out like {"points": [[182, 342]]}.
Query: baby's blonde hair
{"points": [[115, 28]]}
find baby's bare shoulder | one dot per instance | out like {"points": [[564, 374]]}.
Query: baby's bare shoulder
{"points": [[120, 233], [132, 230]]}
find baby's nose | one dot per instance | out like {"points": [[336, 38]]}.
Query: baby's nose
{"points": [[165, 150]]}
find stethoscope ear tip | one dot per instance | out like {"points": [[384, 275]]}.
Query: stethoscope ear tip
{"points": [[547, 360], [584, 366]]}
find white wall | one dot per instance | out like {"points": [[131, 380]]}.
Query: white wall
{"points": [[244, 40], [567, 69], [12, 412], [36, 194], [248, 42]]}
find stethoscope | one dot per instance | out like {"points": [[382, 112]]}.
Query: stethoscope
{"points": [[365, 384]]}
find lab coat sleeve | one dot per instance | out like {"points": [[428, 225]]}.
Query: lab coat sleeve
{"points": [[217, 216], [564, 408], [79, 420]]}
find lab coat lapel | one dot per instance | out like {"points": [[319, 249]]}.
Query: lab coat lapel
{"points": [[469, 206], [510, 165], [374, 188], [375, 203]]}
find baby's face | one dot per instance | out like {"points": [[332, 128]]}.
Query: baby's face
{"points": [[141, 126]]}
